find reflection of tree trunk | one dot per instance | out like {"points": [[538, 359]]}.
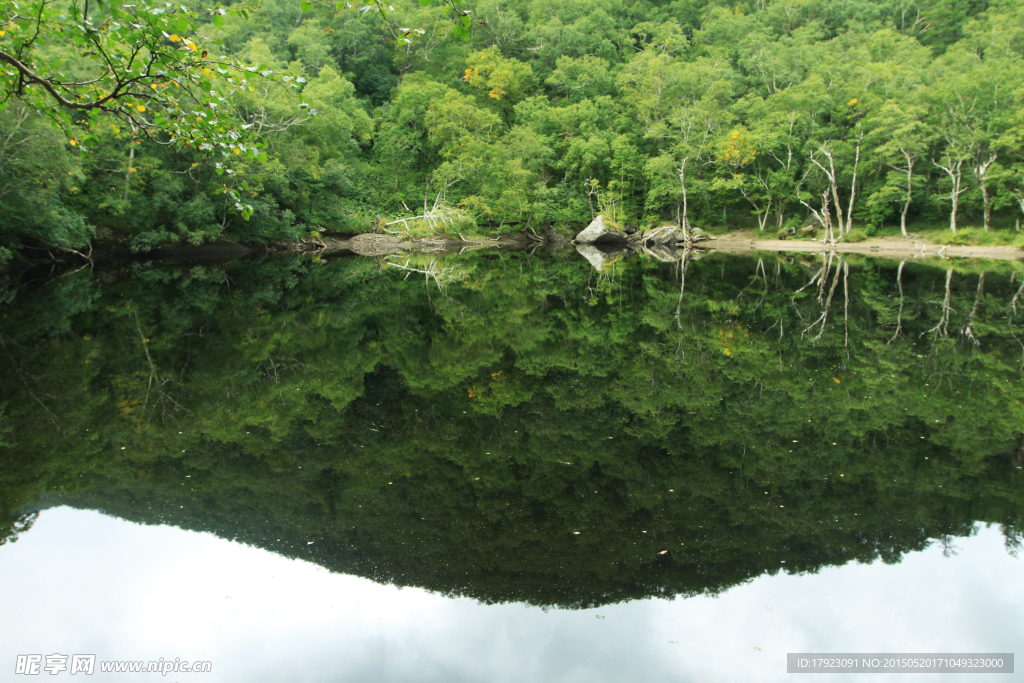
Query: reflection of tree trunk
{"points": [[969, 327], [899, 316], [846, 304], [149, 360], [943, 323], [682, 288], [824, 276], [1016, 297], [21, 374], [823, 319]]}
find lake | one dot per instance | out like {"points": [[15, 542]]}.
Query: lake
{"points": [[510, 465]]}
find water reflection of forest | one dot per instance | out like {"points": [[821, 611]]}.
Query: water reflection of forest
{"points": [[516, 428]]}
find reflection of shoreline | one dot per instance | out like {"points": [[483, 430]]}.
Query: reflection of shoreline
{"points": [[893, 247]]}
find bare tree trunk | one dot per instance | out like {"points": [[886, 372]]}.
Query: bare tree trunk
{"points": [[910, 177], [830, 173], [823, 217], [979, 172], [953, 169], [426, 197], [762, 218], [131, 163], [828, 217], [762, 214], [853, 188], [685, 224], [588, 184]]}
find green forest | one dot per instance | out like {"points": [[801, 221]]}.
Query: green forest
{"points": [[522, 427], [273, 122]]}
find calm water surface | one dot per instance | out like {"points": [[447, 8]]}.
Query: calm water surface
{"points": [[508, 467]]}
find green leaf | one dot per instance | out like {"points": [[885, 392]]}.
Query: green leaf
{"points": [[306, 6]]}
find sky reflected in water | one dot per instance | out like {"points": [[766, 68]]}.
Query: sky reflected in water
{"points": [[88, 583]]}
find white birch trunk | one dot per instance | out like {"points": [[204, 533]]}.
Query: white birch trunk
{"points": [[953, 170], [910, 177], [979, 172]]}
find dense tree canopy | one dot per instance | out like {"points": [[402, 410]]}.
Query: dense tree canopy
{"points": [[770, 114]]}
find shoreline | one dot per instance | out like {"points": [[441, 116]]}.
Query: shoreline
{"points": [[374, 245]]}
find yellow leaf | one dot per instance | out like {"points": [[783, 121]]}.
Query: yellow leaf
{"points": [[174, 38], [73, 141], [836, 380], [236, 150], [852, 102], [140, 107]]}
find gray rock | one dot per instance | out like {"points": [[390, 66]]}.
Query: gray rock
{"points": [[370, 244], [599, 231], [668, 234]]}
